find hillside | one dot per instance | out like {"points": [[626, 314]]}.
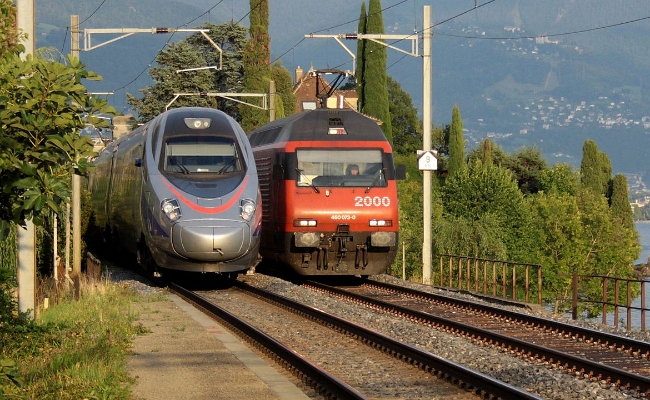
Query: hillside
{"points": [[581, 82]]}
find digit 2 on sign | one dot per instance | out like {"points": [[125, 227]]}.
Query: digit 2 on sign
{"points": [[369, 201]]}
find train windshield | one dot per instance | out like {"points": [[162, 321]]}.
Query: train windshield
{"points": [[338, 167], [201, 154]]}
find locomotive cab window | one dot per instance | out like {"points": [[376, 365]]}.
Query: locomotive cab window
{"points": [[201, 154], [337, 167]]}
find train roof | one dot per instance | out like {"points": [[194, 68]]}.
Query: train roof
{"points": [[318, 125]]}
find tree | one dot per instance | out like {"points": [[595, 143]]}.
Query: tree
{"points": [[232, 40], [40, 145], [456, 144], [375, 80], [284, 91], [620, 203], [595, 168], [562, 179], [480, 192], [407, 130], [167, 82], [527, 164], [609, 250], [9, 38], [257, 71], [559, 233]]}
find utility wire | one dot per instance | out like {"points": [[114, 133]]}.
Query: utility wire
{"points": [[93, 13], [332, 27], [149, 65], [549, 35]]}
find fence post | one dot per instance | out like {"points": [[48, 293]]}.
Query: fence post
{"points": [[616, 294], [514, 282], [574, 297], [629, 305], [643, 305], [605, 284]]}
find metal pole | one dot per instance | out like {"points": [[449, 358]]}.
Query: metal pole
{"points": [[76, 179], [426, 144], [26, 273], [272, 101]]}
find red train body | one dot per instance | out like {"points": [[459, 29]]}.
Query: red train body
{"points": [[318, 216]]}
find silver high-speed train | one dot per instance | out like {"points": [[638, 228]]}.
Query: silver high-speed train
{"points": [[180, 192]]}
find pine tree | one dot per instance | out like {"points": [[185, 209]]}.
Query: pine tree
{"points": [[257, 68], [167, 82], [456, 144], [375, 80], [231, 39], [486, 151]]}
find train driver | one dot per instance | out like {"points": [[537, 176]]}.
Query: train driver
{"points": [[353, 169]]}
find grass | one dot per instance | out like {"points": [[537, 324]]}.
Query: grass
{"points": [[77, 349]]}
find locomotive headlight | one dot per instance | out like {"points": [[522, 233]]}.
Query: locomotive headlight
{"points": [[247, 209], [171, 209], [304, 222], [381, 222]]}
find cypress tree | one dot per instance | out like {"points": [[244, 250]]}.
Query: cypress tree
{"points": [[620, 202], [486, 151], [284, 91], [595, 168], [361, 59], [375, 79], [257, 68], [456, 144]]}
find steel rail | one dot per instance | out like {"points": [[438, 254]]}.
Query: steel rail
{"points": [[318, 378], [570, 362], [622, 343], [424, 360]]}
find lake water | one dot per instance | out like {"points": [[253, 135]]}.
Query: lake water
{"points": [[644, 236]]}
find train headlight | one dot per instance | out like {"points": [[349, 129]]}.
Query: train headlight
{"points": [[381, 222], [383, 239], [171, 209], [304, 222], [247, 209], [197, 123]]}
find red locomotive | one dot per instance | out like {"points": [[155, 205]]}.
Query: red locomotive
{"points": [[329, 193]]}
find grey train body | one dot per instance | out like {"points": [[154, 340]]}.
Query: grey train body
{"points": [[181, 193]]}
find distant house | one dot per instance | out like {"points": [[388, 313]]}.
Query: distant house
{"points": [[305, 91], [307, 85]]}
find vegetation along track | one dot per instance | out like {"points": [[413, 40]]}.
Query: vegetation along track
{"points": [[583, 352], [341, 348]]}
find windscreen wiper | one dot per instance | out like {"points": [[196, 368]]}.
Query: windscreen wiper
{"points": [[376, 180], [179, 165], [308, 180]]}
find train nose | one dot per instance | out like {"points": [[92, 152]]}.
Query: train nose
{"points": [[217, 241]]}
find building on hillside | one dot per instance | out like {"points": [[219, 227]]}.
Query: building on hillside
{"points": [[307, 85], [310, 89]]}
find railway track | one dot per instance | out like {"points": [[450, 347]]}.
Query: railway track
{"points": [[340, 359], [583, 352]]}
